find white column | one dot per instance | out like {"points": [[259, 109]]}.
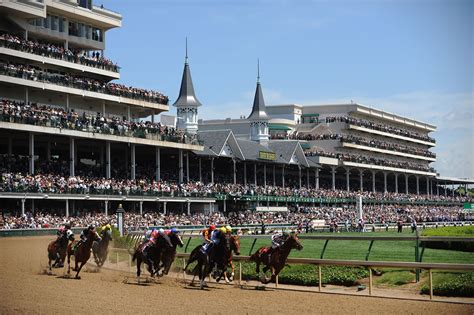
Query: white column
{"points": [[106, 207], [103, 108], [132, 161], [445, 189], [437, 188], [180, 166], [264, 175], [23, 207], [307, 178], [245, 173], [333, 172], [157, 164], [396, 183], [225, 206], [200, 172], [452, 190], [187, 167], [255, 174], [212, 170], [385, 182], [141, 207], [67, 102], [129, 115], [348, 174], [164, 207], [274, 175], [189, 207], [235, 171], [373, 181], [427, 186], [153, 117], [406, 183], [361, 180], [31, 147], [108, 166], [67, 208], [27, 97], [283, 176], [48, 150], [32, 205], [316, 178], [299, 176], [72, 156], [10, 146], [417, 184]]}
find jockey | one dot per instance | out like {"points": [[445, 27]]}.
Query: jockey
{"points": [[63, 231], [215, 238], [85, 232], [228, 229], [148, 234], [164, 234], [149, 242], [277, 240], [206, 234]]}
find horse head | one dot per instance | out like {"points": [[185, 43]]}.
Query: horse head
{"points": [[107, 235], [93, 236], [294, 242], [176, 240], [235, 244]]}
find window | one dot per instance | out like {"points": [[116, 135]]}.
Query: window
{"points": [[62, 22], [54, 23], [46, 21]]}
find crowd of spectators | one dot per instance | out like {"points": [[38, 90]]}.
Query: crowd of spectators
{"points": [[302, 217], [57, 52], [34, 73], [365, 159], [369, 142], [60, 184], [379, 126], [51, 116]]}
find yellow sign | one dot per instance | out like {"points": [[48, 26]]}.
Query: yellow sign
{"points": [[270, 156]]}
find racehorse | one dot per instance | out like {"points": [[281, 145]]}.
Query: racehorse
{"points": [[100, 249], [277, 260], [57, 250], [216, 258], [159, 252], [234, 247], [81, 252], [168, 254]]}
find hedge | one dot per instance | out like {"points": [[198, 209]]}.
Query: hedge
{"points": [[449, 284], [453, 231]]}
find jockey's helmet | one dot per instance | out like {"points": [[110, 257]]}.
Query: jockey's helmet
{"points": [[161, 231], [228, 228], [174, 230], [223, 230], [212, 227], [91, 227], [154, 234]]}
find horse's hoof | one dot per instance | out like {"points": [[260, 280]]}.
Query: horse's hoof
{"points": [[78, 277]]}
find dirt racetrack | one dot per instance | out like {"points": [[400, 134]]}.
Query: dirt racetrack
{"points": [[24, 289]]}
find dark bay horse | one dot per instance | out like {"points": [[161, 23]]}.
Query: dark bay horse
{"points": [[160, 252], [277, 260], [100, 249], [216, 259], [57, 250], [81, 252], [168, 254]]}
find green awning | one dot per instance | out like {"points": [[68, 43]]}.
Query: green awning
{"points": [[305, 145], [278, 127], [310, 115]]}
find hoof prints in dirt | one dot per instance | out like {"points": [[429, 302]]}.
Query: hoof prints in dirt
{"points": [[139, 282]]}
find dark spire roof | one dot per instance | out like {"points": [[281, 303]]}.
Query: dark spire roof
{"points": [[186, 92], [258, 109]]}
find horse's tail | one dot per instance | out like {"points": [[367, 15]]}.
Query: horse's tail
{"points": [[256, 256], [135, 255]]}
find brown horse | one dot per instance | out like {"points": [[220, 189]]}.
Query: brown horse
{"points": [[234, 247], [57, 250], [81, 252], [277, 260]]}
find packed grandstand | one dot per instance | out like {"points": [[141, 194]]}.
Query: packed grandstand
{"points": [[75, 144]]}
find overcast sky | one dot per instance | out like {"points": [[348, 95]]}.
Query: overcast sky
{"points": [[413, 58]]}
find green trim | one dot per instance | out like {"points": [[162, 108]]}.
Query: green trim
{"points": [[278, 127], [310, 115]]}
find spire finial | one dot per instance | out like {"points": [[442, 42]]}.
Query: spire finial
{"points": [[258, 70], [186, 59]]}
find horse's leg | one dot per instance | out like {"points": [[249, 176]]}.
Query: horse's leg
{"points": [[79, 270], [68, 263]]}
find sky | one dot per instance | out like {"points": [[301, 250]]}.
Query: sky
{"points": [[412, 58]]}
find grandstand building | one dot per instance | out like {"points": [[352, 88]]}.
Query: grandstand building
{"points": [[64, 118]]}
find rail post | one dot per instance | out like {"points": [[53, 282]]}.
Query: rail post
{"points": [[240, 273], [276, 281], [187, 244], [184, 271], [253, 244], [129, 263], [368, 252], [320, 279], [324, 248], [370, 281], [431, 283], [417, 254], [117, 261]]}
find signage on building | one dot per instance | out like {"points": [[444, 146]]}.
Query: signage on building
{"points": [[269, 156], [469, 206]]}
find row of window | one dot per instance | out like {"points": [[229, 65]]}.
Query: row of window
{"points": [[57, 23]]}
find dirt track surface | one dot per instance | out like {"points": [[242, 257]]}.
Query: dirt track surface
{"points": [[25, 289]]}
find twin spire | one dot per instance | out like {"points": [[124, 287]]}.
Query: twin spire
{"points": [[259, 111], [187, 97]]}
